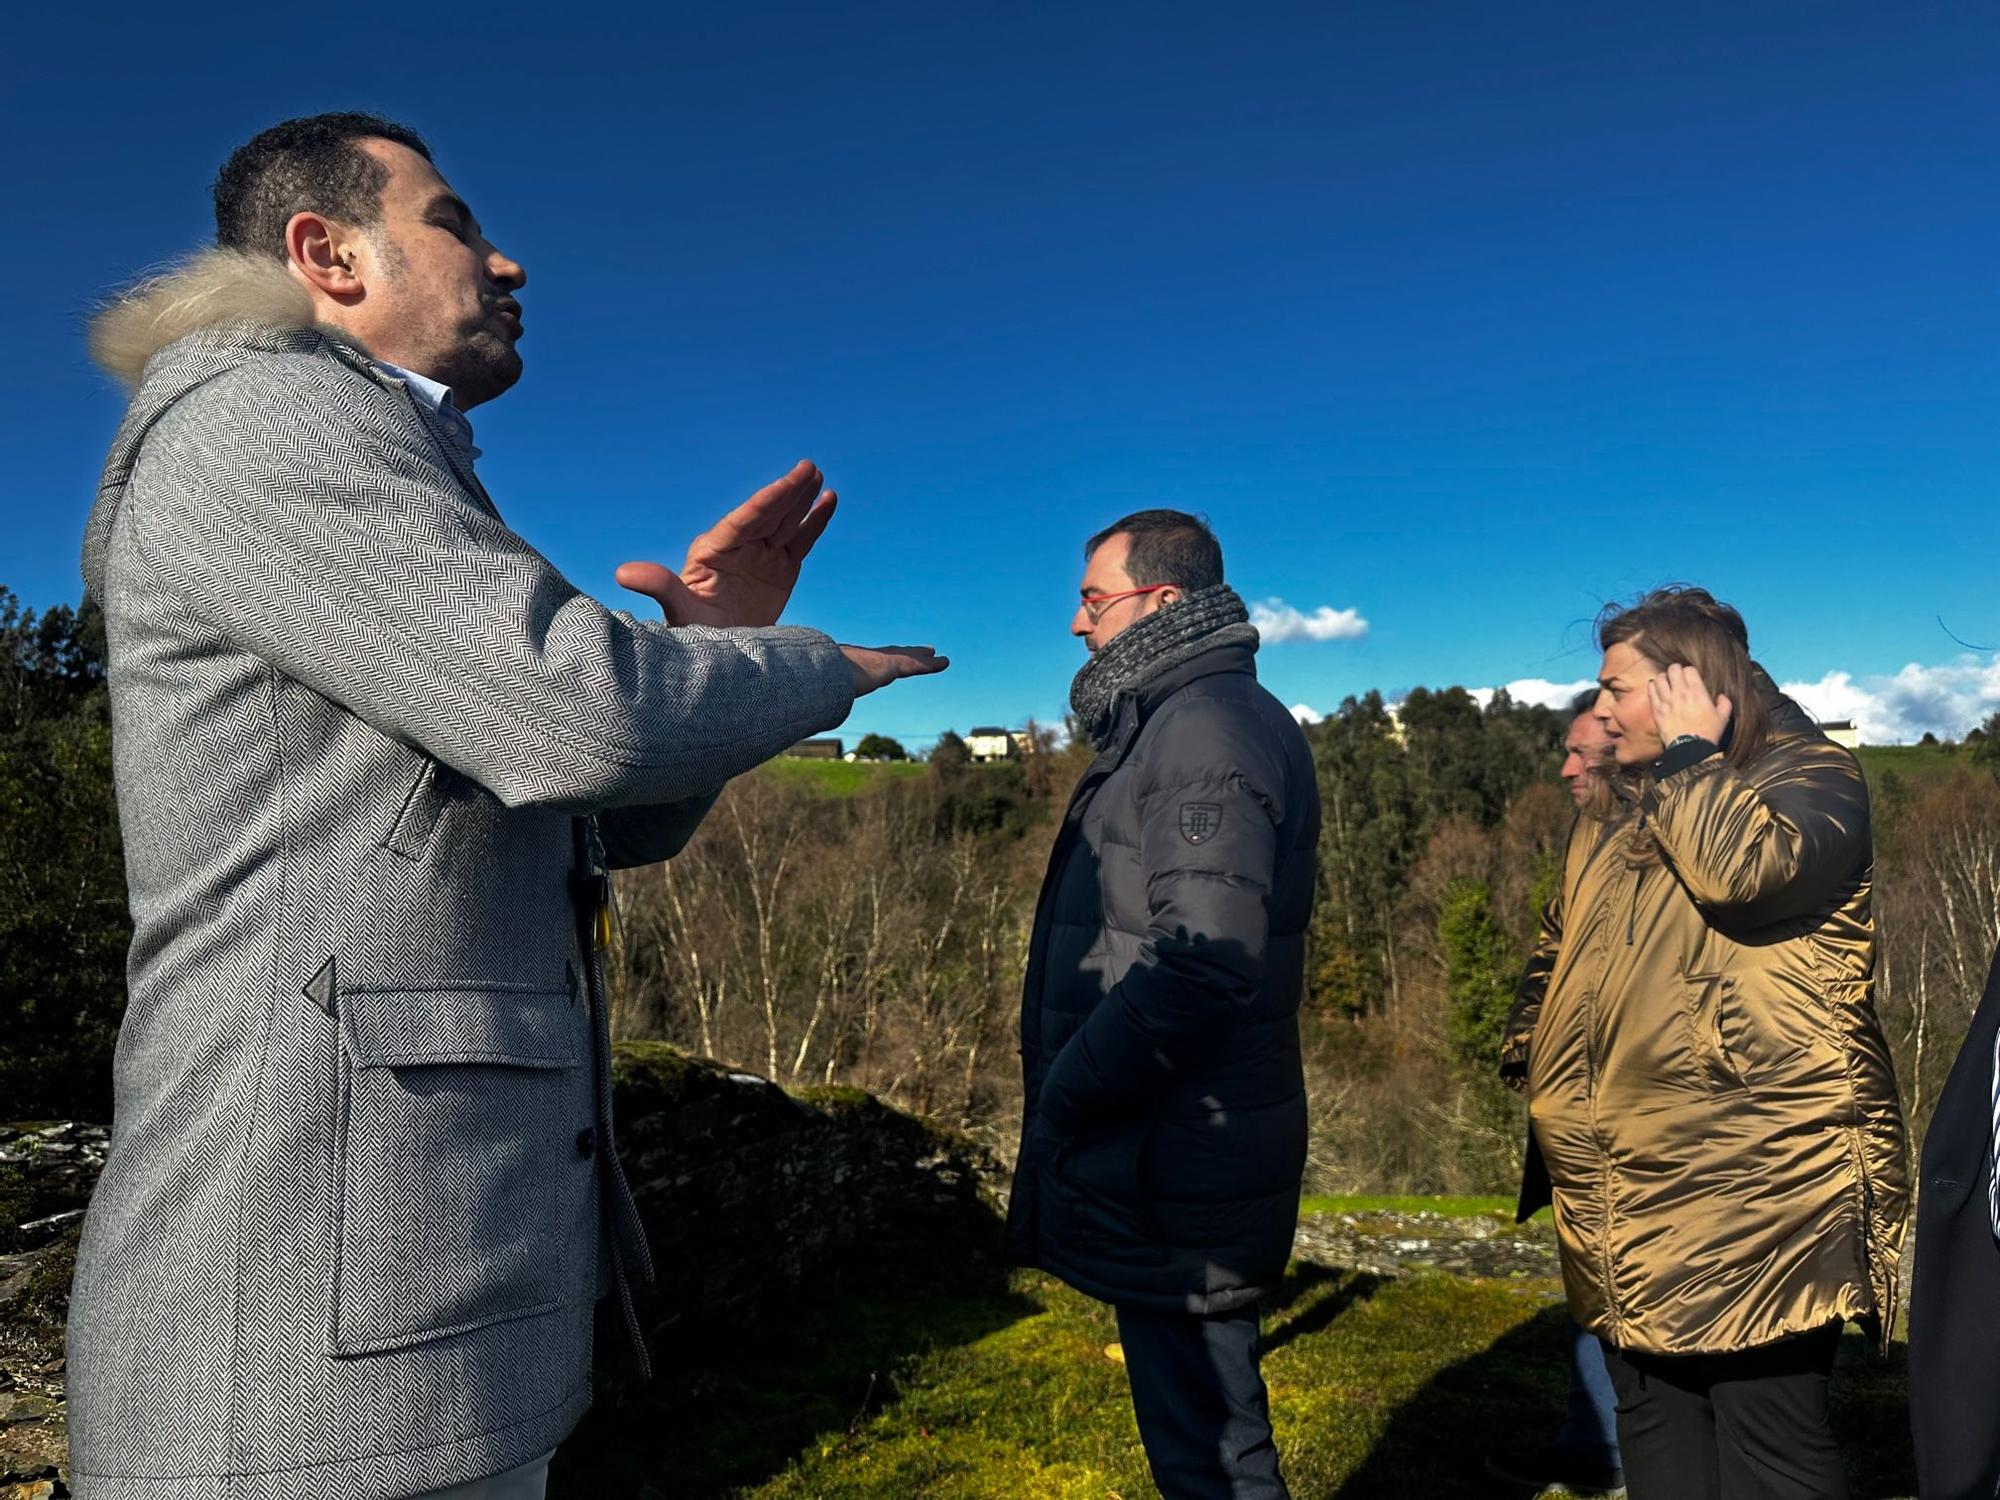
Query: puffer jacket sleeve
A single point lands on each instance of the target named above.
(289, 509)
(1768, 848)
(1210, 802)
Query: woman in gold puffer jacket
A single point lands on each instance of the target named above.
(1706, 1076)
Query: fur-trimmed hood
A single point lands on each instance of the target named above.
(172, 332)
(210, 289)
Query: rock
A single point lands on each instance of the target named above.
(1384, 1244)
(748, 1192)
(37, 1227)
(752, 1191)
(32, 1453)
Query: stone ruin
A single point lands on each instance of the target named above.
(748, 1191)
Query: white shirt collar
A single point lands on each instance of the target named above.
(437, 398)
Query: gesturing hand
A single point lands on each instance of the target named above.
(1681, 705)
(741, 570)
(877, 667)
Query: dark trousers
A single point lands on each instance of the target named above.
(1744, 1426)
(1200, 1401)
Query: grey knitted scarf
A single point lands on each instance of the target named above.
(1198, 622)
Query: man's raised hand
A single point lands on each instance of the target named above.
(741, 570)
(878, 666)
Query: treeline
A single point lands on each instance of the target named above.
(1937, 908)
(873, 938)
(867, 925)
(1388, 784)
(64, 927)
(1444, 824)
(878, 938)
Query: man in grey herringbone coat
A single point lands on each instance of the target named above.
(374, 756)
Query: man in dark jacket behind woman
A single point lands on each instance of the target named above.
(1164, 1133)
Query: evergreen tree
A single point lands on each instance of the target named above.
(1986, 745)
(879, 747)
(64, 928)
(1481, 967)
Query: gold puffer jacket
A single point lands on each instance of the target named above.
(1706, 1076)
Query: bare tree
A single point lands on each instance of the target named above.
(1938, 914)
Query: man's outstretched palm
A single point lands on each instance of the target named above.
(742, 569)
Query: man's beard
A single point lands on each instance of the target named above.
(485, 365)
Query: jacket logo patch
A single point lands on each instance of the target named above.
(1199, 820)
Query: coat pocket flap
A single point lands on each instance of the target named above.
(517, 1028)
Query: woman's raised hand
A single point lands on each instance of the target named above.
(1682, 705)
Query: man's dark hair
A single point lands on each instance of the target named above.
(312, 163)
(1583, 703)
(1168, 546)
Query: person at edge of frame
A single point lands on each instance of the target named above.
(374, 759)
(1955, 1284)
(1708, 1081)
(1583, 1454)
(1164, 1129)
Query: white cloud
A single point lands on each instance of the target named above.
(1278, 621)
(1945, 700)
(1536, 690)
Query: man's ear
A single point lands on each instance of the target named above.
(326, 255)
(1169, 595)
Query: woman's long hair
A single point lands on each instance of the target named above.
(1678, 625)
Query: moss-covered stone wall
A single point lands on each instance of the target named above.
(748, 1194)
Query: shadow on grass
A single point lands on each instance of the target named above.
(1301, 1284)
(730, 1407)
(1512, 1393)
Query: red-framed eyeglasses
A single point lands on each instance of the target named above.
(1093, 604)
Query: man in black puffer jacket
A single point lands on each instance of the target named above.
(1164, 1132)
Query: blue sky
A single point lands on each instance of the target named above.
(1464, 317)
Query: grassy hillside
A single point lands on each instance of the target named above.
(1911, 762)
(840, 778)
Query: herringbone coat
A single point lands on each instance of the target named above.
(367, 740)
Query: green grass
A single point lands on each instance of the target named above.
(928, 1375)
(1040, 1408)
(840, 778)
(1911, 762)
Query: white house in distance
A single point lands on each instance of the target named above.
(826, 748)
(1842, 732)
(989, 744)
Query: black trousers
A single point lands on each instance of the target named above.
(1200, 1401)
(1744, 1426)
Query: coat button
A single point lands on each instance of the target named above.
(586, 1142)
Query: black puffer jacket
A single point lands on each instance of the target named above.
(1165, 1129)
